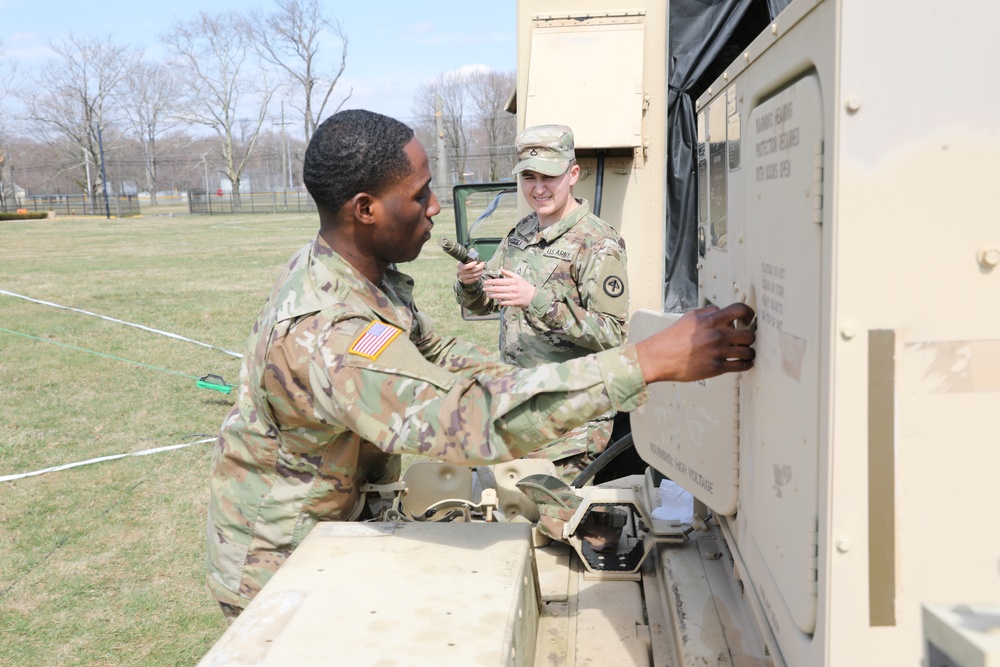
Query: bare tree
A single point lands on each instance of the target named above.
(8, 68)
(450, 87)
(149, 100)
(70, 101)
(213, 51)
(476, 128)
(489, 92)
(8, 196)
(291, 38)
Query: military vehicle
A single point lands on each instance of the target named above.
(832, 164)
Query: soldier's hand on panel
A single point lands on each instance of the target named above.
(703, 343)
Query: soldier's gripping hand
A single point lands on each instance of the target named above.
(470, 272)
(510, 289)
(703, 343)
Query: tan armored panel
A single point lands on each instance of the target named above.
(570, 63)
(409, 594)
(779, 416)
(688, 431)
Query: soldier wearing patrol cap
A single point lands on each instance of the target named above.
(545, 149)
(563, 293)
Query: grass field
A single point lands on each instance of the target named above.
(103, 564)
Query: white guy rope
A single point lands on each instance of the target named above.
(10, 478)
(131, 324)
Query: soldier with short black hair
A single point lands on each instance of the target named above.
(342, 373)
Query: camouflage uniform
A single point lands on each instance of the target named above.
(340, 376)
(578, 268)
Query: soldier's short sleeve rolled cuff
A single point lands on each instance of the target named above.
(623, 378)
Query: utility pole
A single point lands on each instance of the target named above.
(90, 187)
(286, 153)
(286, 175)
(442, 163)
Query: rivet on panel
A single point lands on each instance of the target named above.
(852, 104)
(847, 332)
(844, 545)
(774, 28)
(988, 257)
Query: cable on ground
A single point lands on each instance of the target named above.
(112, 457)
(130, 324)
(210, 381)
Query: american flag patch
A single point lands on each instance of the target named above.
(374, 339)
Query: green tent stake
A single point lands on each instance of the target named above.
(210, 381)
(215, 383)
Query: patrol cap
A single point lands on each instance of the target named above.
(547, 149)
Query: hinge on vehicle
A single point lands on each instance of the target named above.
(813, 570)
(817, 186)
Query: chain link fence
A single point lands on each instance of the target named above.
(219, 202)
(119, 206)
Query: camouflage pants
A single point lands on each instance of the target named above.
(230, 612)
(573, 452)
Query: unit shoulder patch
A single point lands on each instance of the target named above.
(610, 288)
(614, 286)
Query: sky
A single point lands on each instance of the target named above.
(394, 45)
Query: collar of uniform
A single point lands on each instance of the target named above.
(552, 232)
(328, 279)
(530, 230)
(400, 288)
